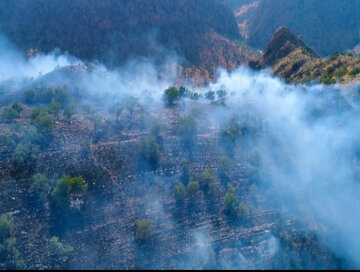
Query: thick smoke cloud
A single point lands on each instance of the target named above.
(308, 152)
(307, 140)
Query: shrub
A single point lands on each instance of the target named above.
(6, 227)
(355, 71)
(7, 142)
(206, 178)
(184, 170)
(13, 112)
(243, 210)
(66, 188)
(21, 155)
(29, 97)
(210, 95)
(224, 169)
(150, 150)
(54, 108)
(59, 249)
(116, 110)
(40, 186)
(330, 70)
(192, 188)
(230, 201)
(171, 95)
(179, 191)
(334, 56)
(341, 72)
(327, 80)
(144, 229)
(10, 255)
(156, 129)
(230, 132)
(46, 96)
(44, 122)
(187, 129)
(68, 113)
(61, 96)
(214, 188)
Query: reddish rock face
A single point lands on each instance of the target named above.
(282, 44)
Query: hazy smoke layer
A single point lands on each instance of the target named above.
(307, 141)
(308, 151)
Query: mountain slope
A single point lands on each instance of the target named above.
(325, 25)
(290, 58)
(115, 31)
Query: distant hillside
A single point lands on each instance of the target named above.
(203, 32)
(325, 25)
(290, 58)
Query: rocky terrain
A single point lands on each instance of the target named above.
(290, 58)
(132, 156)
(326, 26)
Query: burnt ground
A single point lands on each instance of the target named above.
(122, 190)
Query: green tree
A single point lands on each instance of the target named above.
(6, 228)
(179, 191)
(7, 142)
(21, 155)
(224, 169)
(40, 186)
(10, 255)
(171, 95)
(144, 229)
(192, 188)
(61, 96)
(66, 187)
(231, 201)
(13, 112)
(214, 188)
(44, 123)
(150, 151)
(29, 96)
(210, 95)
(187, 129)
(54, 108)
(185, 170)
(206, 178)
(355, 71)
(68, 113)
(59, 249)
(17, 107)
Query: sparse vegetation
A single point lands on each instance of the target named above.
(355, 71)
(59, 249)
(150, 151)
(187, 129)
(9, 254)
(13, 112)
(144, 229)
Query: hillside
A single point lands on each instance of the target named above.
(115, 31)
(325, 25)
(290, 58)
